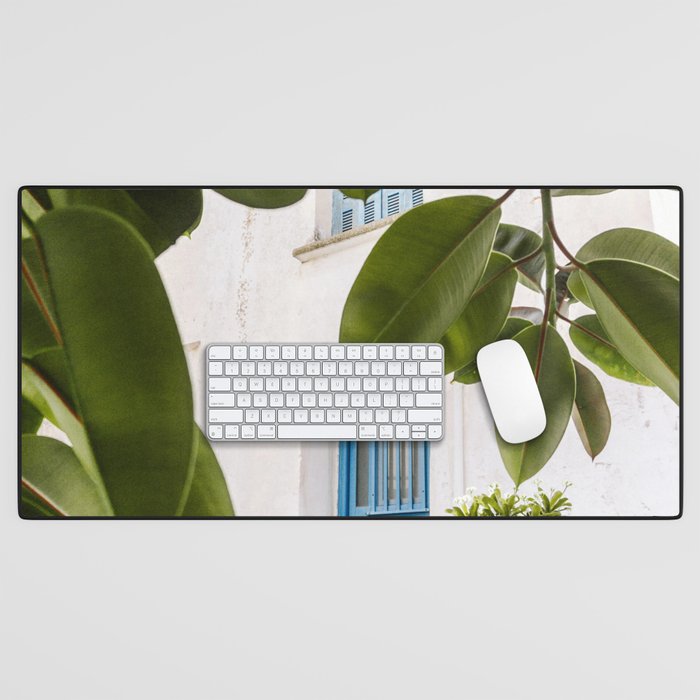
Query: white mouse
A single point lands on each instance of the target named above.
(511, 390)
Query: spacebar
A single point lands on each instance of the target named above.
(317, 432)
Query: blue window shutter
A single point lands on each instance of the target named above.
(373, 208)
(347, 213)
(384, 478)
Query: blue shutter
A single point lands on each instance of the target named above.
(384, 478)
(373, 208)
(347, 213)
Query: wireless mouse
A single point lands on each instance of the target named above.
(511, 391)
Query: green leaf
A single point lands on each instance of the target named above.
(470, 374)
(422, 271)
(517, 242)
(160, 215)
(591, 414)
(208, 494)
(30, 418)
(599, 349)
(55, 477)
(124, 356)
(581, 191)
(557, 385)
(364, 195)
(262, 197)
(639, 308)
(631, 244)
(484, 315)
(37, 314)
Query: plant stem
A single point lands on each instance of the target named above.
(585, 330)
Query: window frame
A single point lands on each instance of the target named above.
(354, 210)
(378, 456)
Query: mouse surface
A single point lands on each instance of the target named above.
(511, 391)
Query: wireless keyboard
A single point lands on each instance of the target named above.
(324, 392)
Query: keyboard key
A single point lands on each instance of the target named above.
(219, 352)
(301, 416)
(418, 384)
(248, 368)
(369, 384)
(333, 415)
(318, 416)
(240, 352)
(266, 431)
(337, 384)
(243, 400)
(410, 368)
(304, 352)
(353, 384)
(222, 400)
(276, 400)
(264, 369)
(305, 384)
(357, 400)
(289, 352)
(284, 416)
(424, 416)
(321, 352)
(272, 352)
(381, 415)
(418, 352)
(353, 352)
(365, 415)
(368, 432)
(325, 400)
(256, 352)
(402, 432)
(259, 400)
(362, 369)
(272, 384)
(308, 400)
(391, 400)
(240, 384)
(220, 384)
(342, 400)
(428, 400)
(435, 352)
(398, 416)
(232, 368)
(344, 368)
(435, 384)
(374, 400)
(256, 384)
(329, 368)
(321, 384)
(349, 415)
(216, 368)
(386, 352)
(225, 415)
(248, 432)
(268, 415)
(313, 369)
(434, 368)
(386, 384)
(289, 384)
(293, 400)
(406, 400)
(378, 368)
(280, 368)
(434, 432)
(402, 384)
(386, 432)
(231, 432)
(317, 432)
(296, 368)
(337, 352)
(369, 352)
(216, 432)
(252, 415)
(393, 368)
(403, 352)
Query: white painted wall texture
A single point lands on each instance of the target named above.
(236, 279)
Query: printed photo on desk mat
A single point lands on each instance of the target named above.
(132, 300)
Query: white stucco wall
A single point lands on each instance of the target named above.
(237, 280)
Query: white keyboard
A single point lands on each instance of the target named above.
(324, 392)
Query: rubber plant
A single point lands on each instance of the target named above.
(447, 271)
(102, 358)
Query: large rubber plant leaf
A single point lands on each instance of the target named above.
(593, 343)
(124, 356)
(160, 215)
(591, 413)
(557, 385)
(209, 494)
(639, 308)
(470, 373)
(55, 476)
(421, 273)
(631, 244)
(364, 195)
(517, 242)
(30, 417)
(262, 197)
(484, 315)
